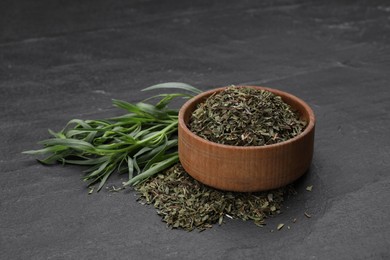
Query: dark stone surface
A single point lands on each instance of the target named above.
(67, 59)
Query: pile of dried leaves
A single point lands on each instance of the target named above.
(243, 116)
(185, 203)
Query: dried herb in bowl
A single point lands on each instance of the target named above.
(244, 116)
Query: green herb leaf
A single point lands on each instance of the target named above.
(70, 143)
(130, 166)
(174, 85)
(156, 168)
(167, 98)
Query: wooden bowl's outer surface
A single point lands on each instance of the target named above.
(249, 168)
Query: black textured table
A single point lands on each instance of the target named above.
(67, 59)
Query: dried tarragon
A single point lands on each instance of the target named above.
(185, 203)
(243, 116)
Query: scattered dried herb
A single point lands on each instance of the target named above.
(243, 116)
(185, 203)
(280, 226)
(309, 188)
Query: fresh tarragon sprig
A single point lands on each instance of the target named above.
(140, 143)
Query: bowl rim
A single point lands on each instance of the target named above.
(309, 128)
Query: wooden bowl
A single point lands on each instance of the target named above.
(246, 168)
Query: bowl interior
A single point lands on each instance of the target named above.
(296, 103)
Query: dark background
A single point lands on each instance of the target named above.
(67, 59)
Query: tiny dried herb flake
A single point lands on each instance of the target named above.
(309, 188)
